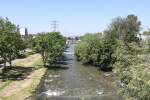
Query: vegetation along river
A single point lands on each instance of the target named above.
(71, 80)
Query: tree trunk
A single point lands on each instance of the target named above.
(44, 58)
(10, 61)
(5, 65)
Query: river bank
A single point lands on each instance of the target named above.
(70, 80)
(66, 81)
(21, 81)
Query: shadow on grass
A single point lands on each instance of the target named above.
(16, 73)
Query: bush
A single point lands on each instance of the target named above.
(1, 61)
(21, 55)
(96, 50)
(51, 46)
(133, 71)
(121, 48)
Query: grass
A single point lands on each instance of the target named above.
(4, 84)
(27, 92)
(16, 73)
(22, 80)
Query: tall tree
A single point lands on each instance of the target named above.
(42, 46)
(51, 46)
(10, 40)
(125, 28)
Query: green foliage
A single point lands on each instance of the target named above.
(96, 50)
(120, 47)
(148, 44)
(133, 70)
(10, 40)
(29, 41)
(125, 28)
(130, 65)
(86, 50)
(51, 46)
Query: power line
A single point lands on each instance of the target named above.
(55, 25)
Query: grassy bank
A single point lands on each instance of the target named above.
(21, 81)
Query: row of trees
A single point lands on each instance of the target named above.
(10, 41)
(120, 48)
(50, 45)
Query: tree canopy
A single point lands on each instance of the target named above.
(120, 48)
(51, 46)
(125, 28)
(10, 40)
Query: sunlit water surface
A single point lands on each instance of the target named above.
(71, 80)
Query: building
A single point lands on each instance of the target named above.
(145, 37)
(24, 33)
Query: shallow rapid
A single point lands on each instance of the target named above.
(70, 80)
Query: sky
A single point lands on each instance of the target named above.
(75, 17)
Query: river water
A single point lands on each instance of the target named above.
(70, 80)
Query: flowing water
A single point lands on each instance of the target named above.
(70, 80)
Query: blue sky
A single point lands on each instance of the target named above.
(76, 17)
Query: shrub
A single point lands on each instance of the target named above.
(95, 49)
(133, 71)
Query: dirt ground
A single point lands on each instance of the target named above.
(21, 89)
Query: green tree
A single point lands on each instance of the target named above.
(57, 46)
(132, 69)
(51, 46)
(42, 46)
(97, 50)
(86, 50)
(125, 28)
(10, 40)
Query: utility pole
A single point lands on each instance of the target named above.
(54, 25)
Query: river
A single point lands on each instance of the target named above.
(71, 80)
